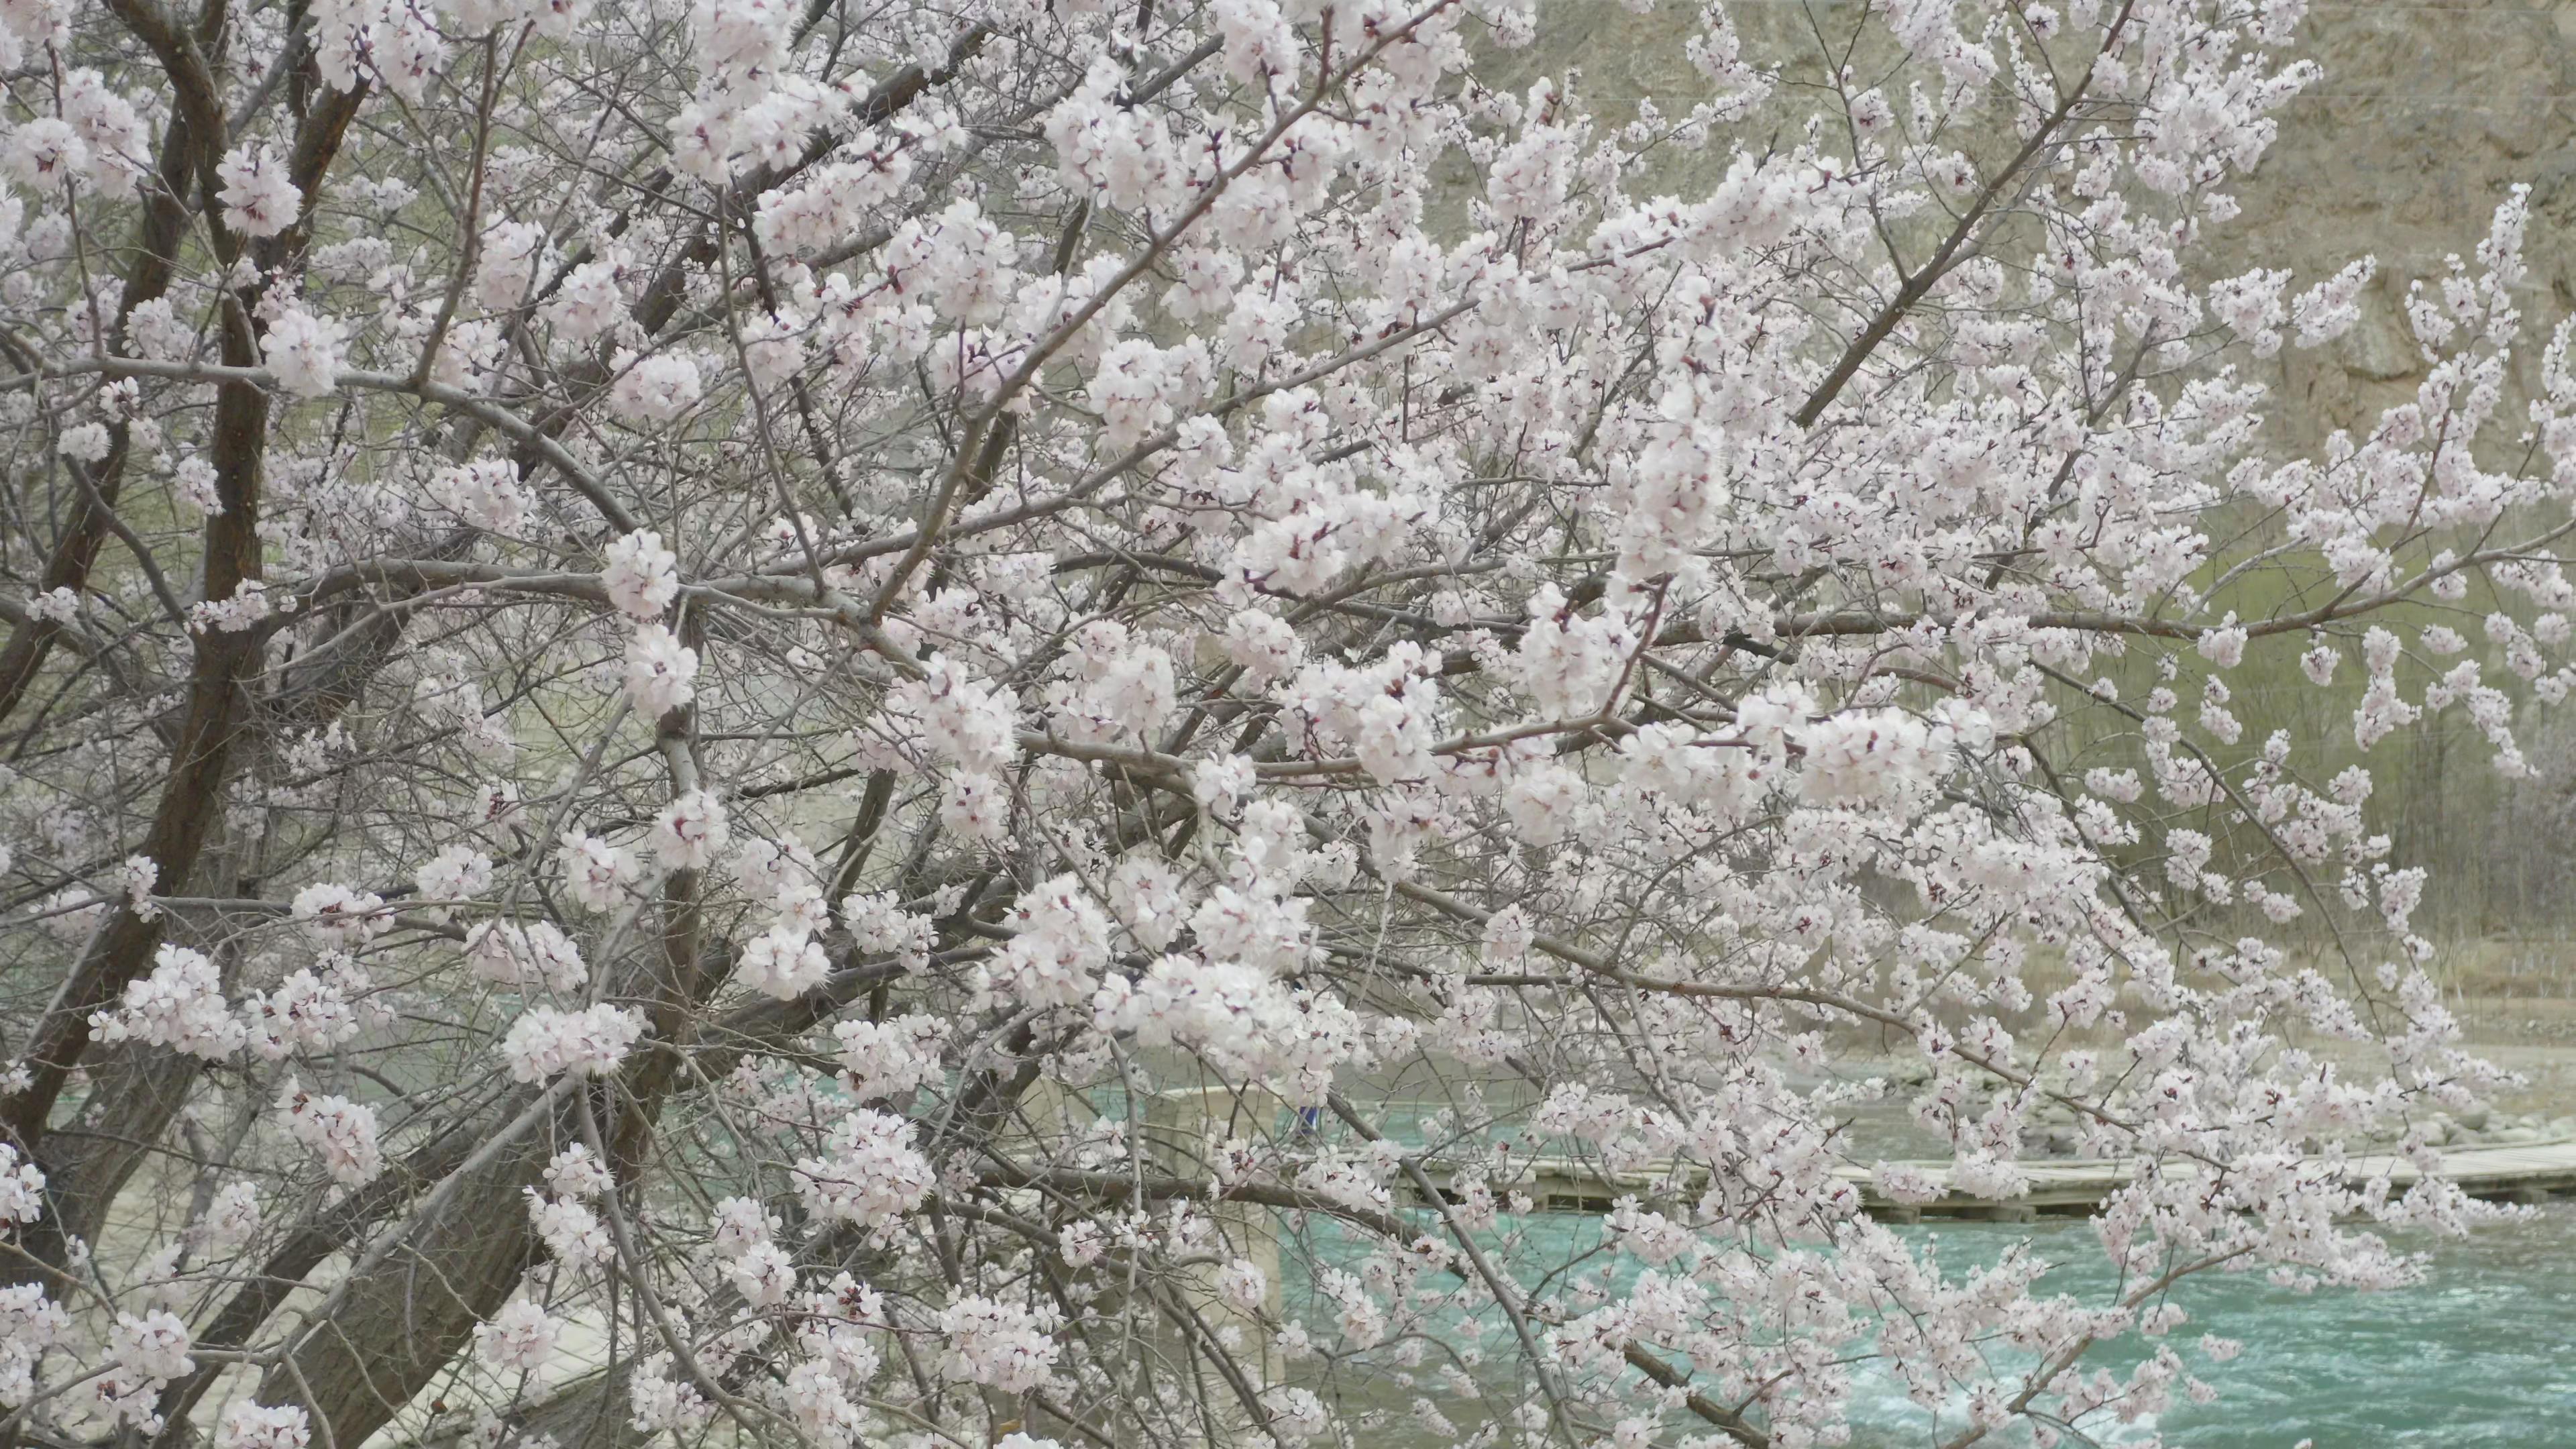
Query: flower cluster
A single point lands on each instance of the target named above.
(180, 1005)
(545, 1043)
(870, 1174)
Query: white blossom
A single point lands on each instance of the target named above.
(889, 1058)
(690, 832)
(531, 957)
(659, 671)
(303, 352)
(641, 576)
(22, 1188)
(519, 1339)
(596, 873)
(259, 198)
(1273, 597)
(180, 1005)
(340, 1132)
(869, 1173)
(545, 1043)
(246, 1425)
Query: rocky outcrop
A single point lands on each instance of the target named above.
(2427, 116)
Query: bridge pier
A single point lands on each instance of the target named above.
(1186, 1129)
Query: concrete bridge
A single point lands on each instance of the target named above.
(2059, 1187)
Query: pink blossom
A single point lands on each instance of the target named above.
(258, 197)
(246, 1425)
(303, 352)
(520, 1338)
(641, 576)
(869, 1174)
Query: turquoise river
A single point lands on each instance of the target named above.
(2481, 1355)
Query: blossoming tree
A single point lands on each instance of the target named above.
(670, 667)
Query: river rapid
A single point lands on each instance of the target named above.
(2481, 1355)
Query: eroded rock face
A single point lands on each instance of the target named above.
(2427, 116)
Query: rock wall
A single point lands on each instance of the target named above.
(2427, 116)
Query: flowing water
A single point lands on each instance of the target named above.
(2482, 1355)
